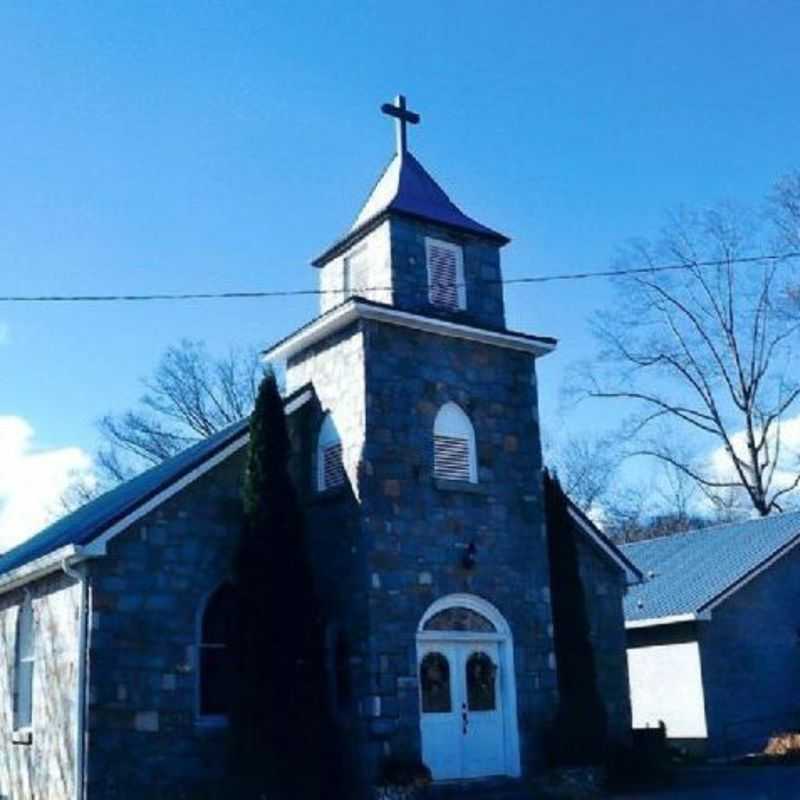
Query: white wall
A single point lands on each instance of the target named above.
(45, 768)
(378, 252)
(666, 684)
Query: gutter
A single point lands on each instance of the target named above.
(83, 657)
(673, 619)
(39, 567)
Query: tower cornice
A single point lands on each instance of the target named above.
(357, 308)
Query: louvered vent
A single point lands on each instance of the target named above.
(443, 274)
(451, 458)
(356, 275)
(332, 466)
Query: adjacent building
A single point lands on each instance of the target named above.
(714, 634)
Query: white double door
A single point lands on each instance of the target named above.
(461, 707)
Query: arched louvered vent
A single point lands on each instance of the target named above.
(330, 464)
(454, 446)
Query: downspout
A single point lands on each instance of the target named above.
(80, 738)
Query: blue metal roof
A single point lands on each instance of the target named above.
(685, 573)
(89, 521)
(407, 188)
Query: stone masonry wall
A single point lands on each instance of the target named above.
(44, 768)
(335, 370)
(397, 273)
(147, 597)
(604, 586)
(375, 284)
(416, 530)
(484, 292)
(750, 661)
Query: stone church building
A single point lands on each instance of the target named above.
(412, 411)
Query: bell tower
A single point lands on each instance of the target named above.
(422, 474)
(412, 248)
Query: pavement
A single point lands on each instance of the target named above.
(728, 783)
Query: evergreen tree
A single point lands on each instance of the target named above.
(580, 726)
(278, 715)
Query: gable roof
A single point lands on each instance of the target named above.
(688, 574)
(86, 523)
(407, 188)
(113, 511)
(605, 544)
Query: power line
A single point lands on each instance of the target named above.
(566, 276)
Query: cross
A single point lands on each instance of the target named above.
(402, 117)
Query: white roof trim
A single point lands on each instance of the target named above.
(705, 610)
(97, 547)
(672, 619)
(300, 400)
(611, 552)
(742, 582)
(39, 567)
(350, 311)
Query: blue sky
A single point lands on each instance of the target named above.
(149, 147)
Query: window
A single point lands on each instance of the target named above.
(434, 681)
(23, 667)
(457, 618)
(481, 675)
(445, 275)
(330, 466)
(355, 274)
(454, 446)
(214, 650)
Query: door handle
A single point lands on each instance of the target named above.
(464, 718)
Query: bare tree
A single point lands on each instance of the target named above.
(586, 466)
(189, 396)
(784, 212)
(702, 351)
(784, 209)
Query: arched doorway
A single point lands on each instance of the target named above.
(468, 703)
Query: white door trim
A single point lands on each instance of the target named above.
(505, 643)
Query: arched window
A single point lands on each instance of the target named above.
(330, 467)
(434, 681)
(454, 446)
(23, 667)
(214, 653)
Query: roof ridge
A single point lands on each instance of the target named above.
(374, 186)
(711, 528)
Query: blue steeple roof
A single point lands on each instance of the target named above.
(407, 188)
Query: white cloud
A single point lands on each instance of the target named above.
(32, 482)
(788, 464)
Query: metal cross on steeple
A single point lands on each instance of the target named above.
(402, 117)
